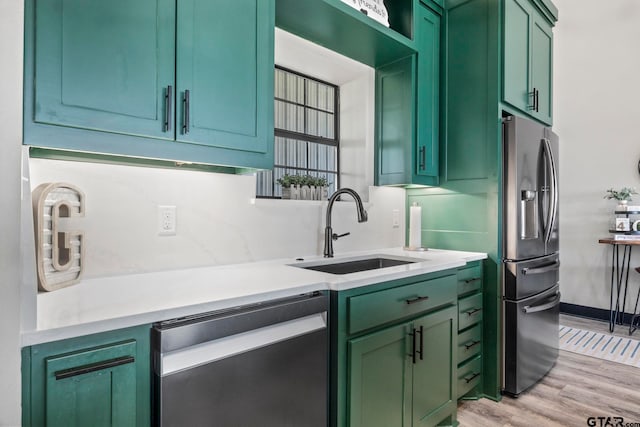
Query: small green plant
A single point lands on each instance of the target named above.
(621, 195)
(288, 180)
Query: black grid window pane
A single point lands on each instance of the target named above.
(306, 137)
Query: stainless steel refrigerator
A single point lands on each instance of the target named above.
(530, 264)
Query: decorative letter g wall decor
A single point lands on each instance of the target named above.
(59, 249)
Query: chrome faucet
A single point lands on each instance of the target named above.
(329, 235)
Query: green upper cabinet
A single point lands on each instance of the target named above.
(428, 113)
(408, 110)
(100, 380)
(104, 65)
(134, 79)
(227, 78)
(528, 56)
(395, 122)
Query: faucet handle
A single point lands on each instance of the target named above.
(335, 236)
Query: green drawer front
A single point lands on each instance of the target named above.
(469, 280)
(469, 311)
(366, 311)
(469, 376)
(469, 343)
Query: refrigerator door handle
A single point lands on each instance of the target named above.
(542, 307)
(543, 269)
(553, 202)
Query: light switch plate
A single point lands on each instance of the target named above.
(396, 218)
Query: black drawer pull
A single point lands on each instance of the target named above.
(475, 279)
(472, 377)
(92, 367)
(416, 299)
(470, 345)
(473, 311)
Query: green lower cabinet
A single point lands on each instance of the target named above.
(389, 388)
(380, 378)
(469, 352)
(434, 371)
(99, 380)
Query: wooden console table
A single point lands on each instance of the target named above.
(620, 281)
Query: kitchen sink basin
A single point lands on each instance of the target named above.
(354, 266)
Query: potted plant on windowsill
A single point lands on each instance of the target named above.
(623, 196)
(303, 187)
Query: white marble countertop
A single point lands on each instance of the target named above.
(102, 304)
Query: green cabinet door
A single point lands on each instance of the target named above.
(517, 31)
(528, 54)
(389, 388)
(94, 380)
(103, 65)
(395, 122)
(434, 397)
(225, 73)
(95, 388)
(542, 67)
(380, 378)
(428, 106)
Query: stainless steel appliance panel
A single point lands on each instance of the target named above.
(531, 339)
(530, 190)
(263, 365)
(281, 385)
(523, 279)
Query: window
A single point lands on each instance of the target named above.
(306, 131)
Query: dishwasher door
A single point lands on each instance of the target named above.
(264, 365)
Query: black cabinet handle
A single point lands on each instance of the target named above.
(185, 112)
(421, 341)
(473, 311)
(475, 279)
(537, 99)
(415, 300)
(422, 163)
(85, 369)
(472, 377)
(532, 106)
(413, 346)
(168, 102)
(467, 346)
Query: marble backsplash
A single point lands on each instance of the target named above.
(219, 221)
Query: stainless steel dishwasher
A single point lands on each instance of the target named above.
(260, 365)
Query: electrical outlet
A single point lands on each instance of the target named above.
(166, 220)
(396, 218)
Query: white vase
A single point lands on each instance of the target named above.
(622, 205)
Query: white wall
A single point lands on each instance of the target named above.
(596, 115)
(357, 97)
(11, 33)
(218, 221)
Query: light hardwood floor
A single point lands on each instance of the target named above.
(578, 387)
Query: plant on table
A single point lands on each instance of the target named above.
(622, 195)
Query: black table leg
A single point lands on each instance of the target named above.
(619, 280)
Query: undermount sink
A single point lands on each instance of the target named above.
(354, 266)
